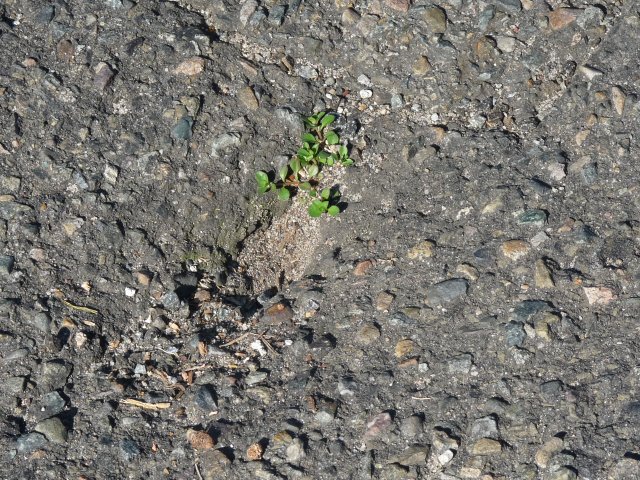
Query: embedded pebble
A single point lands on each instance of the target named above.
(411, 426)
(367, 334)
(384, 301)
(422, 250)
(547, 450)
(515, 249)
(53, 429)
(415, 455)
(190, 67)
(248, 98)
(447, 291)
(599, 295)
(295, 451)
(542, 275)
(486, 446)
(461, 364)
(377, 425)
(30, 441)
(200, 440)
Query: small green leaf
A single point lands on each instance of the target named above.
(327, 120)
(295, 165)
(309, 138)
(343, 151)
(262, 178)
(313, 194)
(284, 194)
(304, 153)
(306, 186)
(333, 210)
(312, 120)
(325, 193)
(264, 189)
(316, 209)
(284, 172)
(272, 186)
(348, 162)
(313, 170)
(332, 138)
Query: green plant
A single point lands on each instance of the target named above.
(320, 149)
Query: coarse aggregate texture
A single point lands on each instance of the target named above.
(471, 314)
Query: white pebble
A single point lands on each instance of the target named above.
(366, 93)
(364, 80)
(130, 292)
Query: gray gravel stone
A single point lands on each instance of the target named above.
(526, 309)
(49, 405)
(182, 129)
(411, 427)
(205, 398)
(533, 217)
(512, 6)
(276, 15)
(515, 334)
(42, 321)
(54, 375)
(129, 449)
(485, 427)
(6, 264)
(447, 291)
(224, 142)
(15, 385)
(53, 429)
(296, 451)
(460, 364)
(29, 442)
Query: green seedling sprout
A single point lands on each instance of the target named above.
(320, 149)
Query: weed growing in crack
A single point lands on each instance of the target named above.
(320, 150)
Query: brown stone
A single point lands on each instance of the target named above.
(436, 19)
(486, 446)
(362, 267)
(422, 66)
(546, 451)
(368, 334)
(515, 249)
(405, 348)
(618, 98)
(542, 275)
(254, 452)
(384, 301)
(200, 440)
(421, 251)
(190, 67)
(248, 98)
(65, 50)
(561, 17)
(399, 5)
(599, 295)
(277, 314)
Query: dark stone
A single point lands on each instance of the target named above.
(205, 398)
(129, 449)
(447, 291)
(29, 442)
(527, 309)
(183, 129)
(515, 334)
